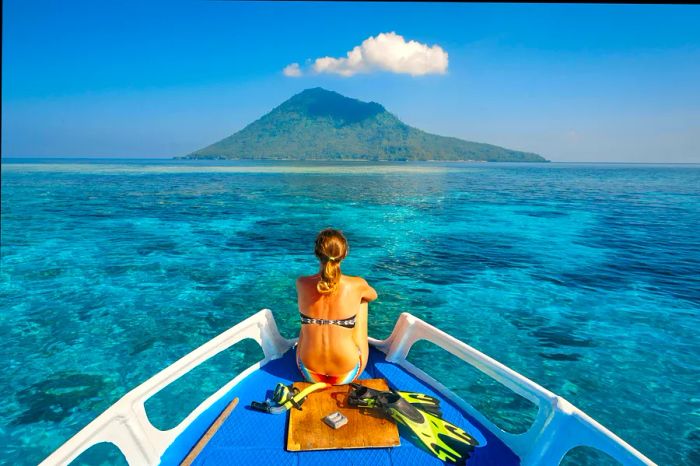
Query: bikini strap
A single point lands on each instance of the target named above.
(348, 323)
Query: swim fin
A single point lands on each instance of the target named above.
(442, 438)
(365, 397)
(423, 402)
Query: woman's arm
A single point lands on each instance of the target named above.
(298, 287)
(359, 334)
(369, 294)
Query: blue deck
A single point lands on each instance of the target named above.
(252, 437)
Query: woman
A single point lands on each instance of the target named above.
(332, 344)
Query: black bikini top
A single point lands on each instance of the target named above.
(347, 323)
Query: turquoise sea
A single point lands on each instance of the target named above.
(583, 277)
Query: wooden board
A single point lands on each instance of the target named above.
(307, 431)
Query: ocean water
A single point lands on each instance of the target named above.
(583, 277)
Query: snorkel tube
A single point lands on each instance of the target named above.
(285, 397)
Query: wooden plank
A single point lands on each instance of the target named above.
(209, 433)
(307, 431)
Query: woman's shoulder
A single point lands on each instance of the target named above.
(355, 281)
(351, 280)
(307, 278)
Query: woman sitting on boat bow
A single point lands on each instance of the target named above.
(333, 345)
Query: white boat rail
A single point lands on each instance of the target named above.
(126, 425)
(558, 427)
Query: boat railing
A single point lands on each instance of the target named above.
(126, 425)
(558, 427)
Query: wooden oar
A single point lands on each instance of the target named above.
(209, 433)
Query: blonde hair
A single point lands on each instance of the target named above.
(331, 248)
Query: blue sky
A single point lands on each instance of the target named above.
(161, 79)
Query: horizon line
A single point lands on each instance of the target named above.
(333, 160)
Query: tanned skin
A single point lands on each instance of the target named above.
(332, 349)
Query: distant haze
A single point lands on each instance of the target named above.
(609, 83)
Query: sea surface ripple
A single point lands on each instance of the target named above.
(583, 277)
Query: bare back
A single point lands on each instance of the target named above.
(330, 348)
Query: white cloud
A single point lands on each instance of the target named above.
(386, 52)
(292, 70)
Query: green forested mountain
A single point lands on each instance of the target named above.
(317, 124)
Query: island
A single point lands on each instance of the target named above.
(318, 124)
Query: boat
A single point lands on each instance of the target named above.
(557, 428)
